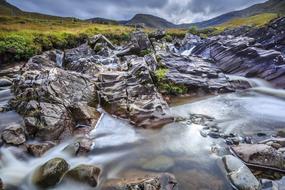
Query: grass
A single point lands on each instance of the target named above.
(23, 37)
(254, 21)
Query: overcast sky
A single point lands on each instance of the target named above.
(177, 11)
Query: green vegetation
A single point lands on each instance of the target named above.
(167, 87)
(254, 21)
(21, 37)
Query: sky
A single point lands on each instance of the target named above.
(176, 11)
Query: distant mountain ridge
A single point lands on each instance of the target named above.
(270, 6)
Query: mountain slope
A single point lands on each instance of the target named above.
(150, 21)
(271, 6)
(7, 9)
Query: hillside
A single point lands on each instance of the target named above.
(271, 6)
(150, 21)
(6, 9)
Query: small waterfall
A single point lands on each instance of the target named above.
(59, 58)
(254, 82)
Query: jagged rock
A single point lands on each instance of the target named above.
(240, 56)
(5, 82)
(239, 31)
(260, 154)
(271, 36)
(158, 182)
(239, 174)
(100, 39)
(139, 43)
(45, 96)
(84, 174)
(14, 135)
(85, 60)
(132, 94)
(158, 34)
(39, 149)
(50, 173)
(198, 74)
(82, 146)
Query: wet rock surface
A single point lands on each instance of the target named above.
(50, 173)
(260, 154)
(198, 74)
(245, 57)
(88, 174)
(14, 135)
(158, 182)
(240, 175)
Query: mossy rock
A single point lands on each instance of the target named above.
(84, 174)
(50, 173)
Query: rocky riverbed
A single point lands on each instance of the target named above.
(104, 116)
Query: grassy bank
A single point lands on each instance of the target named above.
(23, 37)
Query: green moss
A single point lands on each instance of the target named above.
(167, 87)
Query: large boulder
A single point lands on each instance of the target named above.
(140, 45)
(239, 174)
(84, 174)
(14, 135)
(163, 181)
(132, 94)
(50, 173)
(260, 154)
(49, 97)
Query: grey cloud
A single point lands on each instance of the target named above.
(178, 11)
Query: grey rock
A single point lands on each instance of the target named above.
(239, 174)
(150, 182)
(50, 173)
(260, 154)
(14, 135)
(5, 82)
(38, 149)
(84, 174)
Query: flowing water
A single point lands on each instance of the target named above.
(121, 150)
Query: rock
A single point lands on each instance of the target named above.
(160, 163)
(158, 34)
(39, 149)
(239, 174)
(50, 173)
(5, 82)
(14, 135)
(81, 147)
(100, 39)
(198, 75)
(260, 154)
(46, 96)
(153, 182)
(84, 174)
(269, 185)
(1, 184)
(241, 56)
(270, 36)
(140, 44)
(132, 94)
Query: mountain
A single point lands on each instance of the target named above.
(6, 9)
(150, 21)
(100, 20)
(271, 6)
